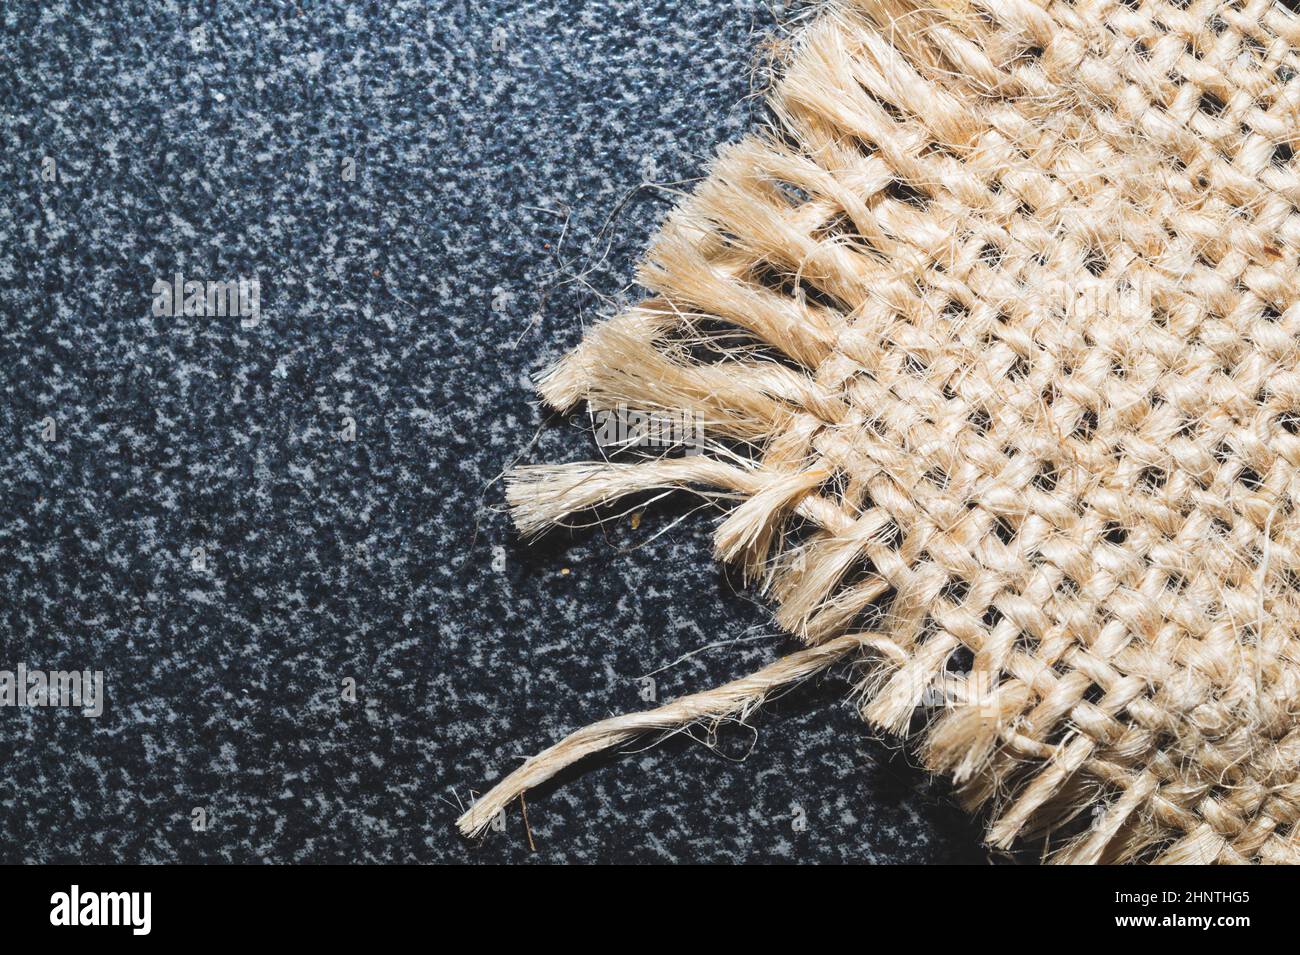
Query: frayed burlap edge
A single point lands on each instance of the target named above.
(1169, 764)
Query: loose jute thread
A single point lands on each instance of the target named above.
(994, 337)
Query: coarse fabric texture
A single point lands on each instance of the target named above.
(993, 336)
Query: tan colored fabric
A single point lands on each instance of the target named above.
(1005, 307)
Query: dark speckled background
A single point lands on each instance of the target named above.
(499, 147)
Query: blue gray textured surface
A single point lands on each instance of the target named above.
(495, 210)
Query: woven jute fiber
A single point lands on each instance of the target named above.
(993, 335)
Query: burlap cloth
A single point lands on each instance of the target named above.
(993, 335)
